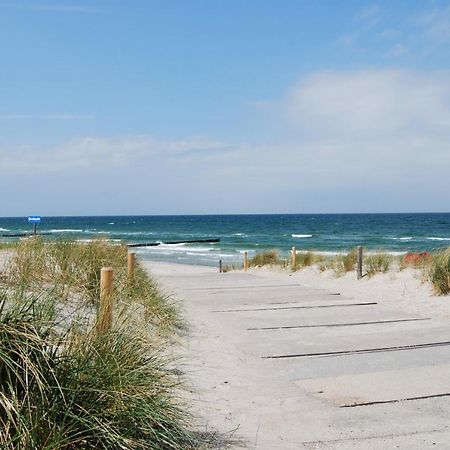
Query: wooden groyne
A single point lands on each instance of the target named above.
(194, 241)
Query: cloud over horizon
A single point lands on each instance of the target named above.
(345, 131)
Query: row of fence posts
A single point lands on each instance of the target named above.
(105, 308)
(359, 261)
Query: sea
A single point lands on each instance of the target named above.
(325, 233)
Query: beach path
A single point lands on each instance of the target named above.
(290, 366)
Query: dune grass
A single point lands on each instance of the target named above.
(304, 260)
(63, 386)
(377, 263)
(340, 264)
(266, 258)
(439, 272)
(435, 266)
(72, 269)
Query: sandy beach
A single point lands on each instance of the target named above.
(309, 360)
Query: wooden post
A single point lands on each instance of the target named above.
(220, 266)
(293, 258)
(245, 261)
(359, 263)
(105, 309)
(131, 264)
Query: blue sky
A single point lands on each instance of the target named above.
(175, 107)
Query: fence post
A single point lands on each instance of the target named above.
(245, 261)
(105, 309)
(220, 266)
(293, 258)
(359, 263)
(131, 264)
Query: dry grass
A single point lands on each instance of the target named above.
(62, 386)
(266, 258)
(439, 272)
(377, 263)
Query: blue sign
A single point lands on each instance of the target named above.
(34, 219)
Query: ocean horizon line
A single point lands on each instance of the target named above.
(229, 214)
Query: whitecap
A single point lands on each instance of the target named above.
(301, 236)
(96, 232)
(162, 245)
(4, 229)
(438, 238)
(65, 230)
(405, 238)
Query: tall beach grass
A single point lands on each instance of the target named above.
(439, 272)
(63, 386)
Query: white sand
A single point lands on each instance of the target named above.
(294, 403)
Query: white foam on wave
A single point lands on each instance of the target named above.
(4, 229)
(404, 238)
(177, 248)
(162, 245)
(239, 234)
(438, 238)
(129, 233)
(110, 223)
(301, 236)
(66, 230)
(96, 232)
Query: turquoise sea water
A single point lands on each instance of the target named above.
(334, 233)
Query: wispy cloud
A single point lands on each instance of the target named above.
(61, 7)
(368, 13)
(435, 25)
(397, 50)
(413, 35)
(367, 133)
(95, 153)
(45, 117)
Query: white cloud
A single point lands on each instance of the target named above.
(371, 101)
(100, 154)
(376, 134)
(366, 131)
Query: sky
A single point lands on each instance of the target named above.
(233, 106)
